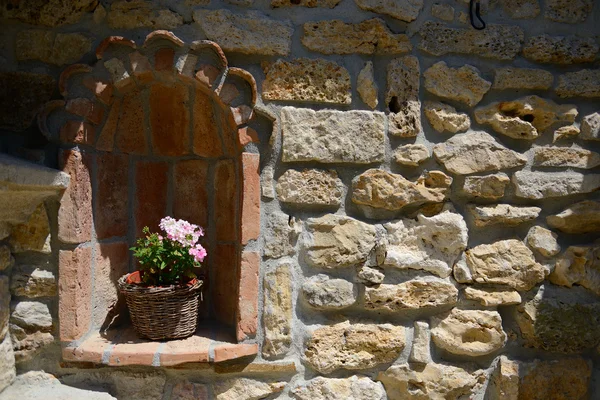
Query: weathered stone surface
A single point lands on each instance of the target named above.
(471, 152)
(332, 136)
(542, 241)
(434, 381)
(490, 296)
(323, 292)
(367, 37)
(266, 182)
(431, 244)
(99, 14)
(582, 217)
(565, 157)
(567, 378)
(277, 313)
(411, 154)
(304, 3)
(486, 187)
(57, 49)
(404, 10)
(443, 117)
(590, 127)
(421, 350)
(468, 332)
(522, 78)
(416, 294)
(525, 118)
(31, 315)
(578, 265)
(353, 346)
(353, 388)
(563, 320)
(565, 132)
(246, 389)
(250, 33)
(500, 42)
(370, 275)
(4, 305)
(507, 262)
(584, 83)
(402, 97)
(366, 86)
(539, 185)
(32, 281)
(281, 235)
(33, 235)
(504, 380)
(335, 241)
(521, 9)
(27, 345)
(442, 11)
(6, 258)
(461, 271)
(568, 11)
(124, 384)
(7, 364)
(462, 84)
(560, 49)
(126, 14)
(49, 13)
(304, 79)
(23, 93)
(310, 187)
(383, 190)
(504, 214)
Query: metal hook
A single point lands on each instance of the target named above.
(477, 14)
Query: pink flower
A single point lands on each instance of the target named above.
(198, 252)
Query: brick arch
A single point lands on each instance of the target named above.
(146, 132)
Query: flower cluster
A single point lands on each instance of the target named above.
(181, 231)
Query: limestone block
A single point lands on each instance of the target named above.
(471, 152)
(332, 136)
(500, 42)
(539, 185)
(491, 297)
(486, 187)
(461, 271)
(31, 315)
(304, 79)
(246, 389)
(277, 312)
(578, 265)
(32, 281)
(6, 258)
(33, 235)
(352, 388)
(582, 217)
(560, 49)
(521, 9)
(369, 275)
(590, 127)
(27, 345)
(543, 241)
(444, 117)
(366, 86)
(411, 154)
(266, 182)
(504, 381)
(310, 187)
(402, 97)
(522, 78)
(323, 292)
(506, 262)
(584, 83)
(432, 244)
(99, 14)
(565, 157)
(568, 11)
(125, 14)
(468, 332)
(353, 346)
(416, 294)
(504, 214)
(304, 3)
(335, 241)
(404, 10)
(48, 13)
(4, 305)
(566, 132)
(567, 378)
(370, 36)
(462, 84)
(249, 33)
(525, 118)
(7, 365)
(421, 351)
(124, 384)
(23, 95)
(442, 11)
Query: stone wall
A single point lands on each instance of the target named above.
(429, 210)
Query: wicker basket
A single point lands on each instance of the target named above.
(162, 312)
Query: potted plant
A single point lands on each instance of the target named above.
(162, 297)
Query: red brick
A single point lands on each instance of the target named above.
(74, 292)
(207, 74)
(163, 59)
(241, 114)
(111, 210)
(192, 349)
(75, 212)
(86, 108)
(229, 131)
(106, 141)
(250, 218)
(225, 200)
(248, 295)
(228, 93)
(189, 391)
(224, 352)
(78, 132)
(112, 262)
(102, 90)
(131, 136)
(190, 201)
(141, 68)
(225, 285)
(151, 182)
(169, 119)
(207, 140)
(132, 350)
(247, 135)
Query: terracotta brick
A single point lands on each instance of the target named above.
(169, 119)
(141, 68)
(102, 90)
(75, 212)
(189, 391)
(207, 141)
(163, 59)
(86, 108)
(132, 350)
(192, 349)
(78, 132)
(91, 350)
(74, 292)
(227, 351)
(131, 136)
(225, 285)
(190, 201)
(248, 295)
(225, 200)
(112, 262)
(151, 180)
(250, 219)
(207, 74)
(229, 132)
(247, 135)
(111, 205)
(228, 93)
(242, 114)
(106, 140)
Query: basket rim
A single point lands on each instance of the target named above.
(125, 287)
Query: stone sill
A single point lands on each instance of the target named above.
(120, 347)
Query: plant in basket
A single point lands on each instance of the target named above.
(162, 297)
